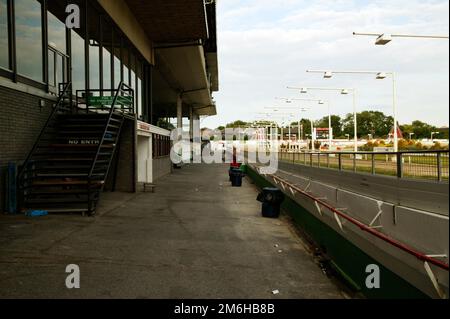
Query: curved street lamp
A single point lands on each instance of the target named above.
(378, 76)
(384, 38)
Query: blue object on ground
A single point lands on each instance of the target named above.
(36, 213)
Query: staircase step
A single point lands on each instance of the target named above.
(113, 126)
(50, 154)
(67, 210)
(80, 132)
(60, 167)
(117, 120)
(80, 127)
(40, 175)
(64, 183)
(59, 170)
(54, 201)
(76, 134)
(62, 160)
(82, 209)
(58, 177)
(59, 192)
(78, 146)
(83, 116)
(77, 119)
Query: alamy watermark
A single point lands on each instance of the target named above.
(246, 146)
(73, 20)
(373, 280)
(73, 279)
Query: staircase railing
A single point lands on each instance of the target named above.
(122, 88)
(66, 88)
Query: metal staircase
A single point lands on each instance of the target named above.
(67, 169)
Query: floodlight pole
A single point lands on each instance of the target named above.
(380, 75)
(354, 108)
(330, 138)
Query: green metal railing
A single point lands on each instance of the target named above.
(425, 165)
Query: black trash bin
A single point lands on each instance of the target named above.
(271, 199)
(231, 170)
(236, 177)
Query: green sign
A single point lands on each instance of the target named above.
(108, 100)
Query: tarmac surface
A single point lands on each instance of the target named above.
(195, 237)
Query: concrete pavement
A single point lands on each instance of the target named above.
(196, 237)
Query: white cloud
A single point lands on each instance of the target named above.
(265, 45)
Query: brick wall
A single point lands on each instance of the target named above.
(21, 121)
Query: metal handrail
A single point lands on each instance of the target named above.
(398, 168)
(62, 95)
(120, 90)
(419, 255)
(124, 88)
(111, 112)
(370, 153)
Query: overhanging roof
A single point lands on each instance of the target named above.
(182, 31)
(184, 68)
(171, 21)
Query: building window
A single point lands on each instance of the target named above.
(94, 49)
(56, 33)
(133, 77)
(57, 59)
(107, 49)
(29, 39)
(161, 146)
(106, 69)
(94, 65)
(78, 68)
(126, 64)
(117, 61)
(139, 89)
(51, 68)
(4, 40)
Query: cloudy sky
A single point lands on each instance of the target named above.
(267, 45)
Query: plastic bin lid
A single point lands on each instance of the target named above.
(271, 189)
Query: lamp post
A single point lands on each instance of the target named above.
(343, 91)
(320, 102)
(384, 38)
(279, 115)
(379, 76)
(433, 134)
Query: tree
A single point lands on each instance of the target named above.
(336, 124)
(162, 123)
(369, 122)
(305, 125)
(237, 124)
(420, 129)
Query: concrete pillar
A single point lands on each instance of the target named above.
(191, 122)
(179, 112)
(197, 138)
(196, 129)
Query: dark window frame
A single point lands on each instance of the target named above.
(144, 94)
(161, 146)
(8, 69)
(20, 78)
